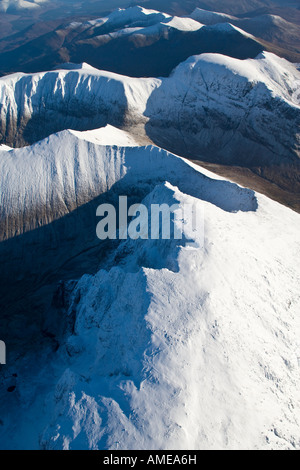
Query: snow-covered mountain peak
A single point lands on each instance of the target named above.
(182, 24)
(277, 75)
(72, 66)
(71, 168)
(210, 17)
(229, 28)
(108, 135)
(138, 20)
(19, 5)
(131, 15)
(151, 341)
(215, 310)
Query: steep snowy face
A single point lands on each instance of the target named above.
(227, 110)
(171, 344)
(35, 106)
(44, 182)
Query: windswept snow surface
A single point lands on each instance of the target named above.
(229, 28)
(187, 344)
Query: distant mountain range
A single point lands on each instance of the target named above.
(144, 42)
(50, 33)
(267, 27)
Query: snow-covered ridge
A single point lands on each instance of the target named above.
(118, 41)
(169, 344)
(210, 17)
(234, 346)
(280, 77)
(133, 14)
(134, 20)
(53, 177)
(71, 66)
(5, 147)
(79, 98)
(229, 28)
(19, 5)
(191, 343)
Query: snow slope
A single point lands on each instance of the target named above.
(19, 5)
(267, 27)
(107, 135)
(171, 345)
(80, 98)
(140, 18)
(211, 17)
(5, 147)
(54, 177)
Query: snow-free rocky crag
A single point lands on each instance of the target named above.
(188, 344)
